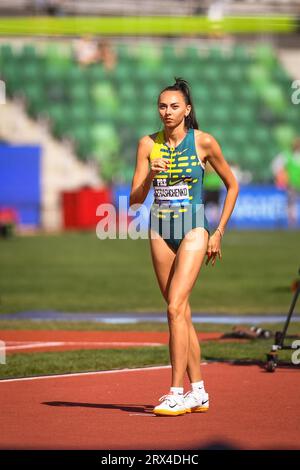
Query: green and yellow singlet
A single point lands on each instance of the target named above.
(178, 200)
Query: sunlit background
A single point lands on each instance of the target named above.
(82, 80)
(79, 87)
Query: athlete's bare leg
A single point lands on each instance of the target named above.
(189, 259)
(184, 344)
(194, 353)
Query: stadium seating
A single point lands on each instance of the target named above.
(240, 96)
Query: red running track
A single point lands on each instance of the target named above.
(25, 341)
(250, 409)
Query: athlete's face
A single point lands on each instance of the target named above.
(172, 108)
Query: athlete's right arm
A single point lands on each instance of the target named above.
(142, 177)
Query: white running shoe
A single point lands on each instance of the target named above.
(172, 405)
(196, 402)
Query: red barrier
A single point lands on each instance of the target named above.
(79, 207)
(8, 215)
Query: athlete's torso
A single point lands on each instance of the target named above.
(182, 183)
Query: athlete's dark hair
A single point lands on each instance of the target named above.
(183, 86)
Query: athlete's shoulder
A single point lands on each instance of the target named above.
(148, 139)
(205, 140)
(146, 145)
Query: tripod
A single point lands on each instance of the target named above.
(272, 357)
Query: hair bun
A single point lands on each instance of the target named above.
(181, 82)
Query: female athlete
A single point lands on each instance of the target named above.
(179, 232)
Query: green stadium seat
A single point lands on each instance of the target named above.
(281, 76)
(105, 96)
(219, 114)
(78, 113)
(74, 74)
(251, 156)
(105, 138)
(284, 135)
(239, 135)
(216, 55)
(123, 51)
(293, 115)
(264, 54)
(141, 75)
(99, 114)
(148, 56)
(109, 170)
(259, 76)
(56, 91)
(142, 130)
(149, 93)
(190, 73)
(240, 55)
(274, 98)
(52, 74)
(57, 55)
(168, 72)
(231, 153)
(12, 78)
(201, 94)
(124, 72)
(169, 54)
(35, 98)
(245, 115)
(211, 74)
(218, 132)
(30, 72)
(78, 132)
(7, 55)
(238, 96)
(191, 53)
(84, 150)
(262, 136)
(225, 95)
(96, 73)
(126, 92)
(246, 94)
(127, 115)
(126, 172)
(29, 52)
(79, 92)
(233, 73)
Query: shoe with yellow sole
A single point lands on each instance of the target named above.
(171, 405)
(196, 402)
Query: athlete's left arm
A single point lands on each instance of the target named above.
(216, 159)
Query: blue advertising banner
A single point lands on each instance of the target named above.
(263, 207)
(257, 207)
(20, 182)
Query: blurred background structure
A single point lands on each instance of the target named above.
(80, 81)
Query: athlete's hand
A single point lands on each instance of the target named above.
(214, 248)
(159, 164)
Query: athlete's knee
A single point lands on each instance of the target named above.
(188, 313)
(176, 309)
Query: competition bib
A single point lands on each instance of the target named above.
(166, 189)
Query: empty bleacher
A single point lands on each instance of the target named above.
(241, 96)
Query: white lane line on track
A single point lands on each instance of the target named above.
(38, 344)
(81, 374)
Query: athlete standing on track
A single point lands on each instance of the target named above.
(178, 229)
